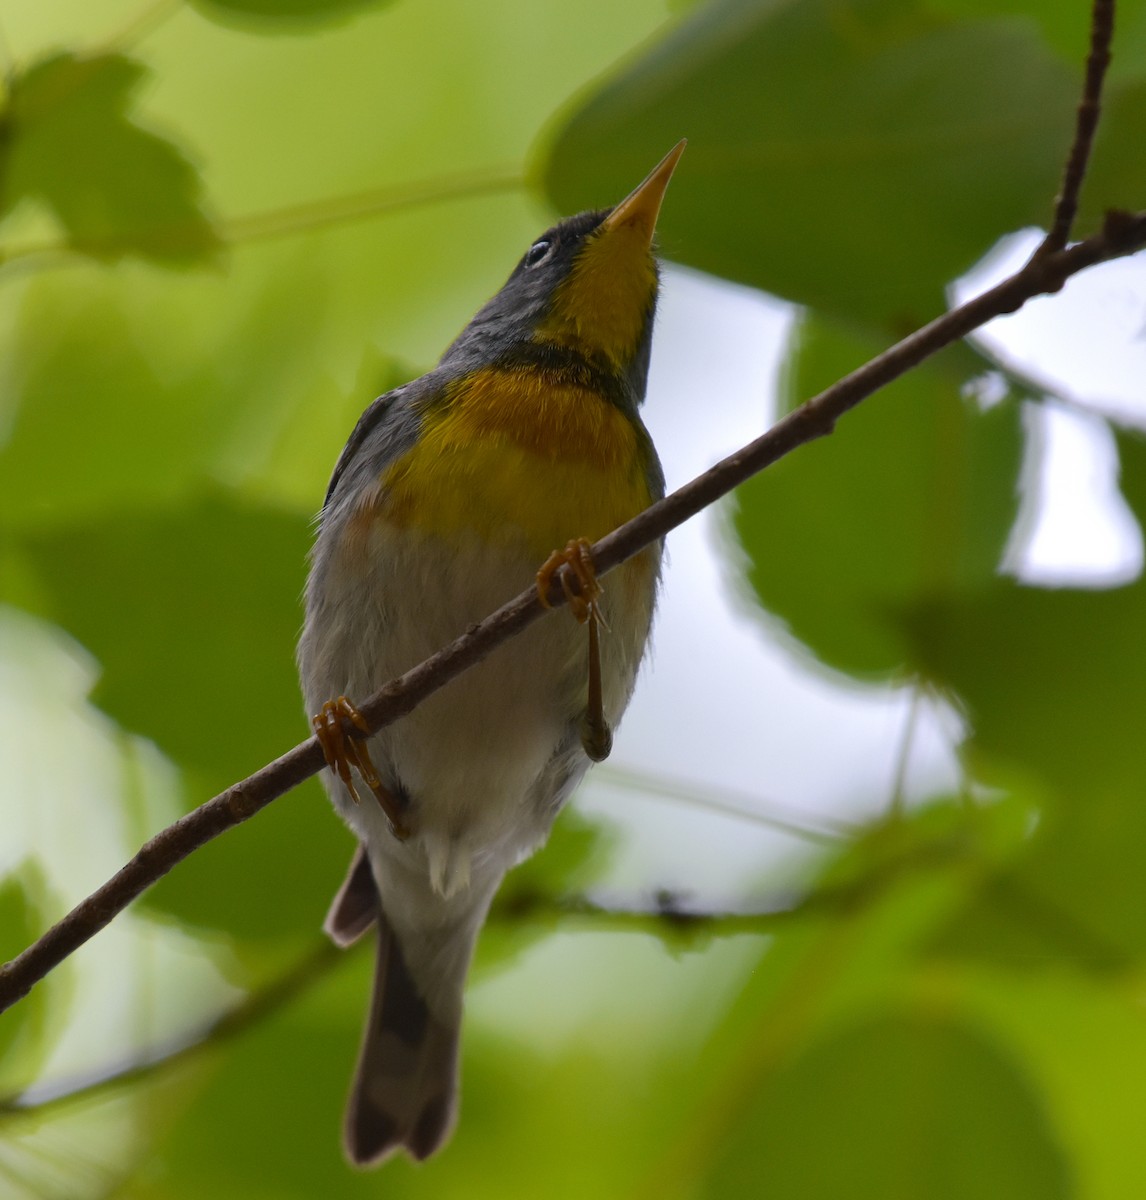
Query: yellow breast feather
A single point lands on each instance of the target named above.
(515, 456)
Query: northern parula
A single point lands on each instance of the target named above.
(449, 495)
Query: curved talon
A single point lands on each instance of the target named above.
(596, 736)
(343, 751)
(578, 557)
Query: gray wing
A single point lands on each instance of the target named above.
(385, 431)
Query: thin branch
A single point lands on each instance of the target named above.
(665, 913)
(1086, 123)
(260, 1004)
(322, 214)
(1026, 378)
(1122, 234)
(906, 745)
(279, 222)
(144, 22)
(769, 813)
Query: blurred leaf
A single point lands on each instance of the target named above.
(283, 16)
(943, 833)
(1052, 678)
(92, 405)
(133, 416)
(851, 945)
(22, 1027)
(116, 188)
(1052, 684)
(270, 1113)
(908, 1107)
(270, 879)
(812, 120)
(303, 439)
(1086, 1045)
(1116, 177)
(913, 497)
(267, 1124)
(1066, 27)
(193, 614)
(1054, 907)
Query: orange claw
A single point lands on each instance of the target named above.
(578, 557)
(596, 736)
(343, 751)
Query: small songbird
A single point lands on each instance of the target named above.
(451, 493)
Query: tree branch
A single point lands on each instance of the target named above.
(665, 914)
(1122, 234)
(1085, 126)
(309, 217)
(1051, 265)
(321, 958)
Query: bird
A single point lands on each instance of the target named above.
(455, 492)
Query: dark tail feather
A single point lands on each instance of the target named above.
(405, 1088)
(355, 907)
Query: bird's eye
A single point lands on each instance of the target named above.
(538, 252)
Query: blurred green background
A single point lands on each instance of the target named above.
(225, 225)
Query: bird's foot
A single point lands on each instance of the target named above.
(582, 591)
(579, 583)
(345, 752)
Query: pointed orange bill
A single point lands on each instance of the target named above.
(642, 206)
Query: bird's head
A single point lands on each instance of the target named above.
(588, 286)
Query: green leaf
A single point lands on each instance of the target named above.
(1051, 682)
(896, 1108)
(116, 188)
(193, 614)
(912, 497)
(1066, 27)
(1051, 678)
(283, 16)
(270, 879)
(87, 401)
(1085, 1040)
(854, 156)
(1076, 898)
(133, 414)
(266, 1124)
(21, 1027)
(1116, 177)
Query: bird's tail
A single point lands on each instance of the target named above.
(405, 1088)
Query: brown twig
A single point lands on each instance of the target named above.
(312, 217)
(311, 967)
(1086, 123)
(1122, 234)
(665, 913)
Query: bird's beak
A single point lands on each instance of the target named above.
(605, 301)
(641, 207)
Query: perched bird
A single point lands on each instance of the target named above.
(451, 493)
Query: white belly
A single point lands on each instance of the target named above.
(486, 761)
